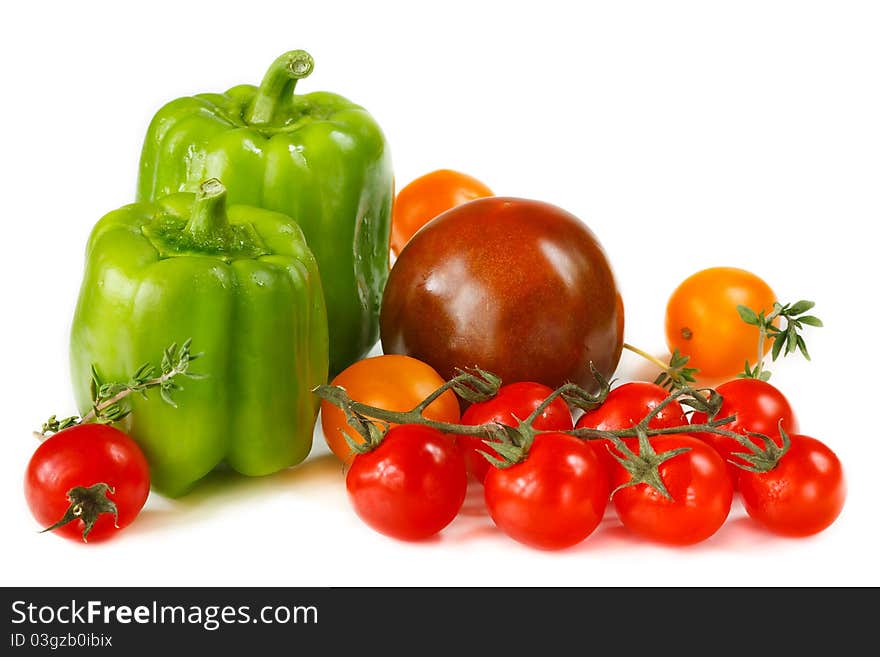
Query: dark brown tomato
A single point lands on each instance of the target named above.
(517, 287)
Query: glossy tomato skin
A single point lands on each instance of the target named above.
(702, 320)
(391, 382)
(758, 406)
(701, 493)
(802, 495)
(85, 455)
(411, 486)
(428, 196)
(517, 287)
(514, 402)
(625, 407)
(554, 498)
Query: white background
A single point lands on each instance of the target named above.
(686, 134)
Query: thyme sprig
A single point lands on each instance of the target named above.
(108, 397)
(786, 339)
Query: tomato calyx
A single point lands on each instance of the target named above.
(474, 386)
(87, 503)
(512, 444)
(578, 397)
(644, 467)
(762, 459)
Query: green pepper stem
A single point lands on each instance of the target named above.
(208, 223)
(278, 85)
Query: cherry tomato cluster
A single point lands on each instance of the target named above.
(414, 482)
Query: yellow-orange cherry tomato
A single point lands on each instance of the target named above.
(426, 197)
(702, 320)
(391, 382)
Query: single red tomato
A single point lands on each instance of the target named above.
(514, 402)
(73, 462)
(428, 196)
(758, 407)
(700, 489)
(552, 499)
(411, 486)
(802, 495)
(516, 287)
(625, 406)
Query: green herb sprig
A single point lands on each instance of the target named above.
(786, 339)
(107, 397)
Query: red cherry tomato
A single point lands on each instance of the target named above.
(82, 456)
(554, 498)
(758, 407)
(802, 495)
(513, 402)
(625, 407)
(411, 486)
(698, 484)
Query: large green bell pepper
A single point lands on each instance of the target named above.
(316, 157)
(242, 283)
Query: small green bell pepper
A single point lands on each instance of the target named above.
(242, 283)
(316, 157)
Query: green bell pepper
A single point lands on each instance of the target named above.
(316, 157)
(242, 283)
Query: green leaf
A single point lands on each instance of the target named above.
(194, 376)
(747, 315)
(144, 372)
(778, 342)
(165, 394)
(790, 340)
(803, 347)
(800, 307)
(765, 375)
(811, 320)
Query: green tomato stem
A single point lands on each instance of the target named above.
(644, 354)
(762, 334)
(430, 399)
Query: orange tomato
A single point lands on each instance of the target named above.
(702, 321)
(392, 382)
(426, 197)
